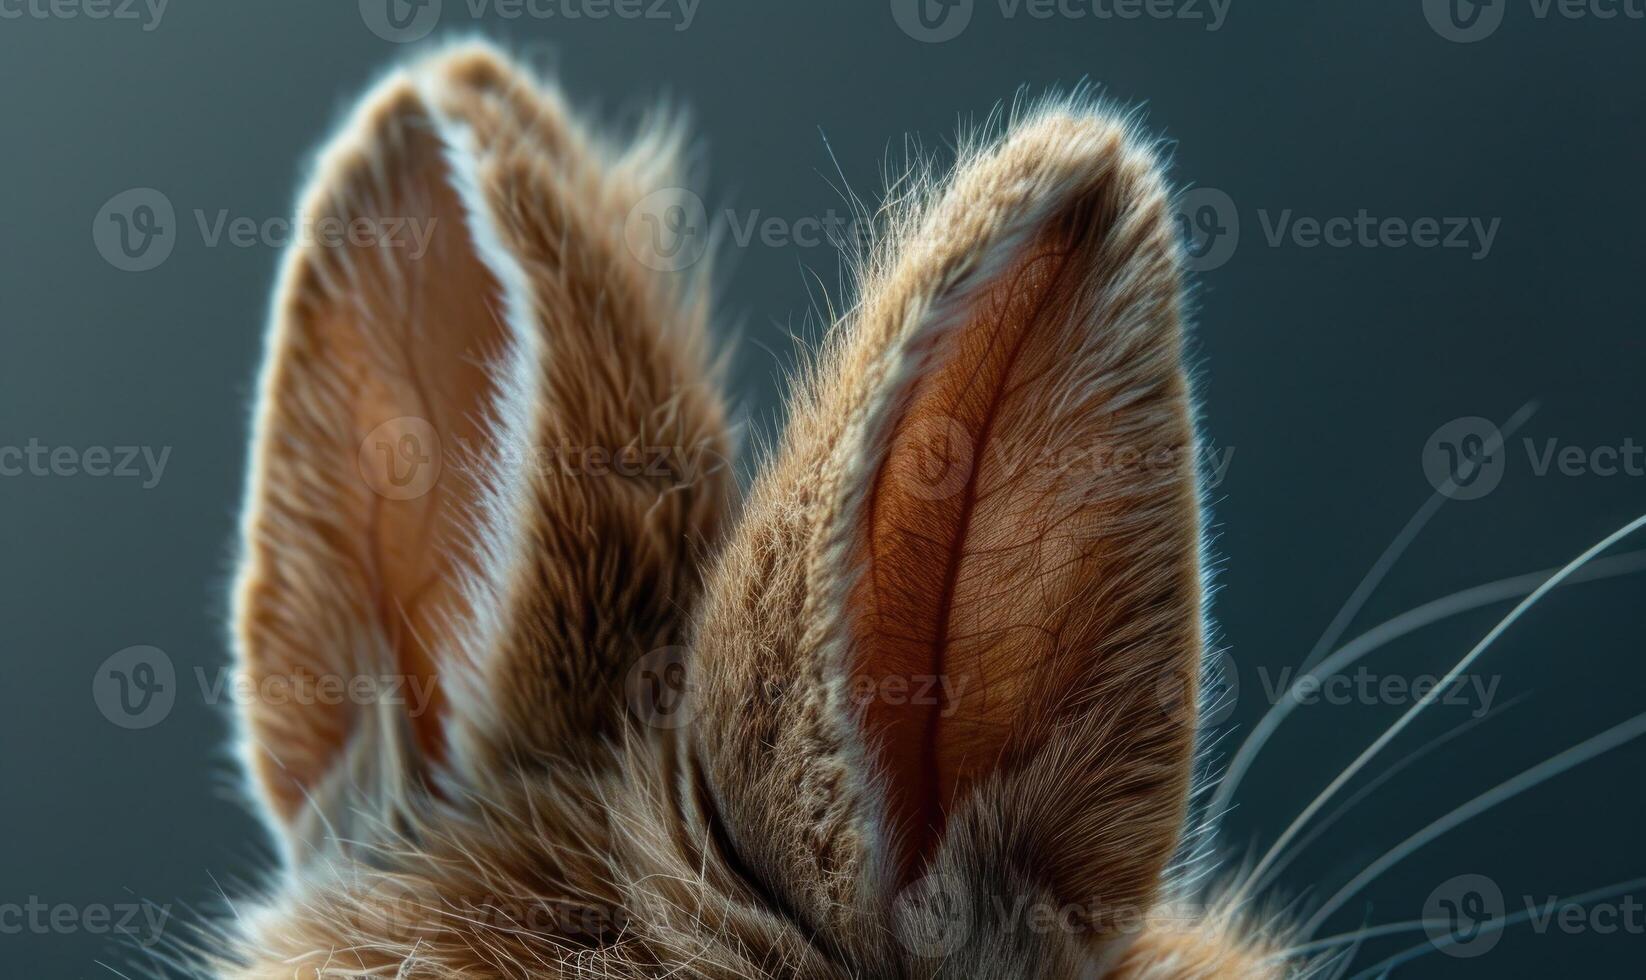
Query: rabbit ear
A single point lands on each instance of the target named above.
(985, 510)
(482, 467)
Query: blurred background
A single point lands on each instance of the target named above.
(1410, 220)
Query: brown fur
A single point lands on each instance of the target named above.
(929, 519)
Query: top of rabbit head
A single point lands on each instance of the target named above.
(535, 699)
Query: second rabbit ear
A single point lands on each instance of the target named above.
(975, 561)
(483, 467)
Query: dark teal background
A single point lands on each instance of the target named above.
(1325, 369)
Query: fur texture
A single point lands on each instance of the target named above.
(938, 715)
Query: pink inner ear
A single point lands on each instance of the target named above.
(425, 364)
(368, 500)
(958, 605)
(977, 547)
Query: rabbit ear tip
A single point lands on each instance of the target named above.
(1087, 133)
(381, 113)
(471, 63)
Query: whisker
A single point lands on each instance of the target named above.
(1351, 606)
(1345, 960)
(1357, 936)
(226, 900)
(1445, 683)
(1537, 775)
(1371, 787)
(1397, 547)
(1387, 632)
(1416, 925)
(1384, 967)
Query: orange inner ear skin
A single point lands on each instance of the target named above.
(425, 365)
(385, 378)
(971, 550)
(405, 559)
